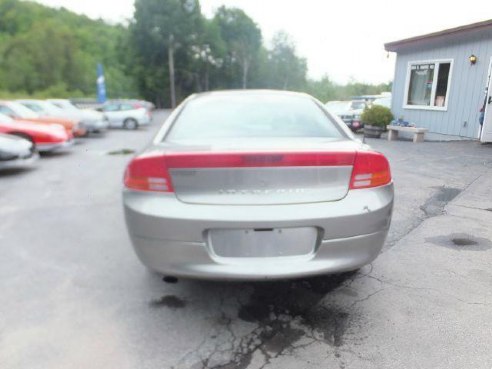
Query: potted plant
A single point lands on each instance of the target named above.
(375, 120)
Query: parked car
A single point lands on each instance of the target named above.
(93, 121)
(16, 152)
(138, 103)
(348, 111)
(18, 111)
(256, 185)
(45, 138)
(337, 107)
(146, 104)
(149, 105)
(383, 101)
(129, 115)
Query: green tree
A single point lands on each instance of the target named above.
(45, 50)
(161, 28)
(207, 56)
(45, 55)
(286, 69)
(326, 90)
(168, 51)
(323, 89)
(243, 40)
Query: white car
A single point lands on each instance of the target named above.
(349, 111)
(383, 101)
(93, 120)
(126, 115)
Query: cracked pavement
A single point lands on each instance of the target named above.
(75, 296)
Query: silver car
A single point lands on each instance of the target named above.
(254, 185)
(92, 121)
(126, 114)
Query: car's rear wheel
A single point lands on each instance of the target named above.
(130, 123)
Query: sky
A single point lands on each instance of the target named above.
(342, 39)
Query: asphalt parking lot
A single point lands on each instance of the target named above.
(75, 296)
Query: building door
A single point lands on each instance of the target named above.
(486, 135)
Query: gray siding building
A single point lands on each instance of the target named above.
(441, 81)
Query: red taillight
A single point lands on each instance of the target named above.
(148, 173)
(371, 169)
(151, 172)
(260, 159)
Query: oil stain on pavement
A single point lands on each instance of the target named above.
(121, 152)
(461, 242)
(169, 301)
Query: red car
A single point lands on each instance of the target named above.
(16, 110)
(45, 138)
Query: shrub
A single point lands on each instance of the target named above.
(7, 95)
(55, 91)
(377, 115)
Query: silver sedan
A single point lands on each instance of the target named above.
(128, 115)
(253, 185)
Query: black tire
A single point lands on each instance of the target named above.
(130, 123)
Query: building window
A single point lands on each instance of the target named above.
(428, 85)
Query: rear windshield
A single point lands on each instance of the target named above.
(62, 104)
(22, 111)
(32, 106)
(252, 116)
(357, 105)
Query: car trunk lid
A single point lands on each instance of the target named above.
(261, 174)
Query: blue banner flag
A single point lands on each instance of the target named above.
(101, 85)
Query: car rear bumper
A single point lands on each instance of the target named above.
(193, 260)
(171, 237)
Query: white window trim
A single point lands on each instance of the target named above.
(434, 84)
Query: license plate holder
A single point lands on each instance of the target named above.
(262, 242)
